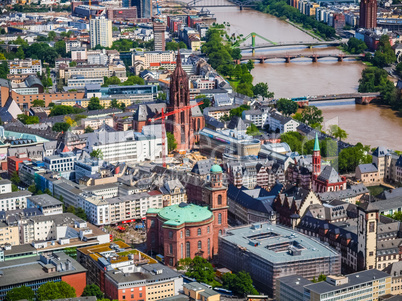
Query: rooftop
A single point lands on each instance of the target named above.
(45, 200)
(277, 244)
(31, 269)
(176, 215)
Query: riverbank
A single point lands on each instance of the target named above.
(299, 27)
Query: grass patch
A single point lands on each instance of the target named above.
(376, 190)
(233, 82)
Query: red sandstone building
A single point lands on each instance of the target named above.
(188, 230)
(13, 163)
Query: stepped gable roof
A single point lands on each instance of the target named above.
(329, 174)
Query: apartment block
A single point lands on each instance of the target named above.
(26, 66)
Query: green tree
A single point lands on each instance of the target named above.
(356, 46)
(58, 110)
(238, 111)
(28, 119)
(321, 277)
(171, 141)
(206, 102)
(14, 188)
(88, 129)
(94, 104)
(293, 139)
(32, 188)
(396, 216)
(51, 35)
(55, 290)
(201, 270)
(113, 80)
(286, 106)
(134, 80)
(38, 103)
(224, 118)
(114, 104)
(92, 290)
(349, 158)
(162, 96)
(252, 130)
(73, 64)
(240, 284)
(81, 213)
(250, 65)
(15, 178)
(384, 55)
(261, 89)
(337, 132)
(20, 293)
(96, 153)
(60, 127)
(60, 47)
(312, 115)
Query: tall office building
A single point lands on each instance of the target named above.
(368, 14)
(144, 8)
(101, 32)
(159, 36)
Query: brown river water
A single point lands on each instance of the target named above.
(369, 124)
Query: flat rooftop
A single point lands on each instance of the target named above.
(45, 200)
(32, 269)
(277, 244)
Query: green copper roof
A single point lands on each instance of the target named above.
(316, 143)
(216, 168)
(176, 215)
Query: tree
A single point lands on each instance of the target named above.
(206, 102)
(349, 158)
(64, 110)
(60, 47)
(261, 89)
(19, 293)
(73, 64)
(70, 121)
(113, 80)
(51, 35)
(28, 119)
(240, 284)
(2, 57)
(384, 55)
(15, 178)
(14, 188)
(321, 277)
(60, 127)
(250, 65)
(88, 129)
(201, 270)
(81, 213)
(171, 141)
(161, 96)
(94, 104)
(32, 188)
(312, 115)
(114, 104)
(92, 290)
(38, 103)
(134, 80)
(355, 46)
(55, 290)
(238, 111)
(96, 153)
(184, 264)
(252, 130)
(286, 106)
(337, 132)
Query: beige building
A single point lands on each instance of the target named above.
(95, 123)
(367, 174)
(9, 234)
(153, 60)
(96, 71)
(198, 291)
(100, 31)
(395, 271)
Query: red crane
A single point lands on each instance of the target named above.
(163, 117)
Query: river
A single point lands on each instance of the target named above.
(370, 124)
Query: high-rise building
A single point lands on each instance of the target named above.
(368, 14)
(101, 32)
(159, 36)
(144, 8)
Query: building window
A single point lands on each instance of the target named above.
(171, 261)
(181, 234)
(199, 245)
(371, 253)
(220, 232)
(209, 246)
(219, 200)
(181, 251)
(171, 248)
(187, 233)
(220, 218)
(199, 232)
(371, 227)
(170, 234)
(208, 229)
(188, 249)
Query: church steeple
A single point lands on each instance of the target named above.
(316, 157)
(178, 58)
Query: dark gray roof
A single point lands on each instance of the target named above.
(44, 200)
(370, 167)
(237, 124)
(295, 282)
(202, 167)
(329, 174)
(391, 193)
(10, 111)
(214, 123)
(380, 151)
(354, 279)
(32, 80)
(282, 119)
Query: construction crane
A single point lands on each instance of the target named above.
(163, 117)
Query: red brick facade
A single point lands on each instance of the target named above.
(130, 293)
(77, 281)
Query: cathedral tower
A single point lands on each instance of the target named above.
(180, 124)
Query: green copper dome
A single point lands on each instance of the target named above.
(176, 215)
(216, 168)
